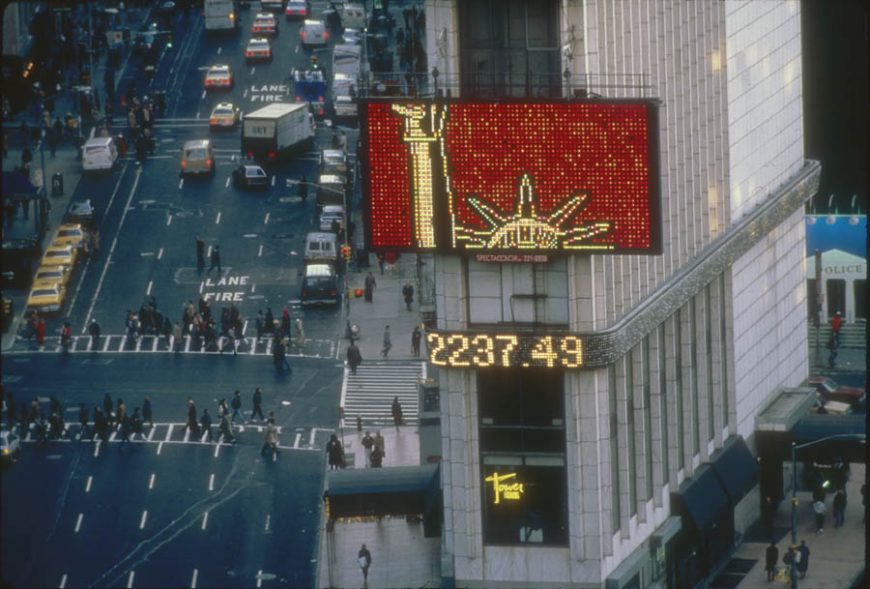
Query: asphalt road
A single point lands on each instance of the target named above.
(169, 510)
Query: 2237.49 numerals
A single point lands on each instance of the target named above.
(481, 350)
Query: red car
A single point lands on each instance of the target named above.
(829, 390)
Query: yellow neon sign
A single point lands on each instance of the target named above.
(512, 491)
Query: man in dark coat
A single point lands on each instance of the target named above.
(334, 453)
(354, 358)
(771, 557)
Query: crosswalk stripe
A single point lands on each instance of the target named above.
(369, 393)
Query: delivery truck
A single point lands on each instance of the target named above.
(276, 131)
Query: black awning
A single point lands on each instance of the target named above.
(701, 498)
(737, 469)
(402, 490)
(815, 428)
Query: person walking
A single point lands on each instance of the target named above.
(832, 349)
(368, 442)
(840, 508)
(177, 336)
(215, 259)
(121, 412)
(236, 404)
(354, 358)
(146, 411)
(136, 424)
(370, 285)
(227, 430)
(364, 557)
(388, 342)
(285, 322)
(200, 253)
(803, 562)
(836, 325)
(271, 440)
(223, 408)
(269, 323)
(260, 325)
(101, 428)
(771, 557)
(416, 336)
(258, 402)
(408, 294)
(377, 457)
(124, 430)
(83, 421)
(396, 410)
(94, 330)
(108, 405)
(381, 443)
(205, 424)
(192, 424)
(334, 453)
(819, 510)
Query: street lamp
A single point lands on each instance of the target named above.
(435, 74)
(794, 449)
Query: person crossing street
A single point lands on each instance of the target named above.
(258, 402)
(236, 404)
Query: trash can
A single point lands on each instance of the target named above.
(57, 184)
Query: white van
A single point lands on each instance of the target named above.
(321, 247)
(99, 153)
(353, 16)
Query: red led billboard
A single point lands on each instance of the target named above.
(546, 177)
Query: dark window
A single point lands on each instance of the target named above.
(663, 399)
(631, 442)
(615, 512)
(522, 442)
(693, 339)
(860, 299)
(708, 382)
(836, 296)
(723, 347)
(509, 48)
(678, 389)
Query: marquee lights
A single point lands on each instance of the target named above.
(532, 177)
(504, 350)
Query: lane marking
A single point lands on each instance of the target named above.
(253, 70)
(219, 50)
(260, 253)
(97, 448)
(311, 439)
(273, 180)
(217, 220)
(187, 434)
(180, 182)
(160, 254)
(227, 183)
(268, 522)
(197, 114)
(193, 580)
(169, 432)
(88, 484)
(203, 95)
(62, 581)
(245, 93)
(211, 482)
(79, 522)
(244, 327)
(138, 344)
(151, 481)
(106, 345)
(151, 433)
(169, 220)
(208, 253)
(130, 579)
(204, 521)
(143, 520)
(150, 286)
(156, 341)
(260, 578)
(266, 220)
(123, 342)
(217, 449)
(254, 286)
(296, 441)
(159, 448)
(201, 286)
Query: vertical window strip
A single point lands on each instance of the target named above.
(708, 388)
(647, 417)
(614, 450)
(678, 389)
(693, 334)
(663, 399)
(630, 432)
(723, 347)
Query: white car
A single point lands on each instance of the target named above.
(314, 32)
(259, 49)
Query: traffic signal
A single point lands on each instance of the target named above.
(169, 40)
(345, 252)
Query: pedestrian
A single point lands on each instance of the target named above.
(124, 430)
(231, 341)
(382, 260)
(223, 408)
(100, 425)
(839, 508)
(285, 322)
(215, 259)
(334, 453)
(283, 357)
(40, 333)
(83, 420)
(227, 430)
(278, 355)
(303, 188)
(388, 342)
(836, 325)
(408, 294)
(136, 424)
(146, 411)
(365, 561)
(121, 412)
(771, 557)
(368, 442)
(377, 457)
(803, 562)
(300, 334)
(177, 336)
(200, 253)
(416, 336)
(107, 408)
(236, 404)
(205, 423)
(819, 509)
(370, 285)
(192, 424)
(832, 348)
(271, 440)
(260, 325)
(381, 443)
(258, 400)
(354, 358)
(94, 330)
(396, 411)
(269, 323)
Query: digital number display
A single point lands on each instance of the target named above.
(512, 176)
(503, 350)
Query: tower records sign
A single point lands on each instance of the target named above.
(512, 177)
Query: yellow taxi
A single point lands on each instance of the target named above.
(258, 49)
(70, 234)
(223, 116)
(265, 23)
(51, 274)
(46, 297)
(219, 77)
(59, 255)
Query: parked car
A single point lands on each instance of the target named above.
(59, 255)
(82, 212)
(320, 285)
(333, 161)
(70, 234)
(829, 390)
(46, 297)
(52, 274)
(330, 214)
(248, 176)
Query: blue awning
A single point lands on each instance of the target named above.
(701, 498)
(848, 445)
(17, 182)
(402, 490)
(737, 469)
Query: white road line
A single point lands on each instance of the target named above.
(245, 93)
(217, 449)
(138, 343)
(151, 481)
(203, 95)
(113, 436)
(90, 344)
(160, 254)
(197, 114)
(217, 220)
(260, 251)
(187, 434)
(219, 50)
(123, 342)
(130, 579)
(208, 253)
(181, 182)
(62, 582)
(169, 432)
(268, 522)
(204, 521)
(253, 69)
(260, 578)
(266, 220)
(169, 220)
(159, 448)
(193, 579)
(211, 482)
(227, 183)
(150, 286)
(114, 244)
(143, 520)
(254, 286)
(253, 345)
(79, 522)
(187, 340)
(273, 180)
(97, 448)
(88, 484)
(296, 441)
(244, 327)
(106, 345)
(151, 433)
(154, 346)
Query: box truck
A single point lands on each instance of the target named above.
(276, 130)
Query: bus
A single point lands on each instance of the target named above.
(221, 15)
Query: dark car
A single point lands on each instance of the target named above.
(320, 285)
(81, 212)
(830, 390)
(246, 176)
